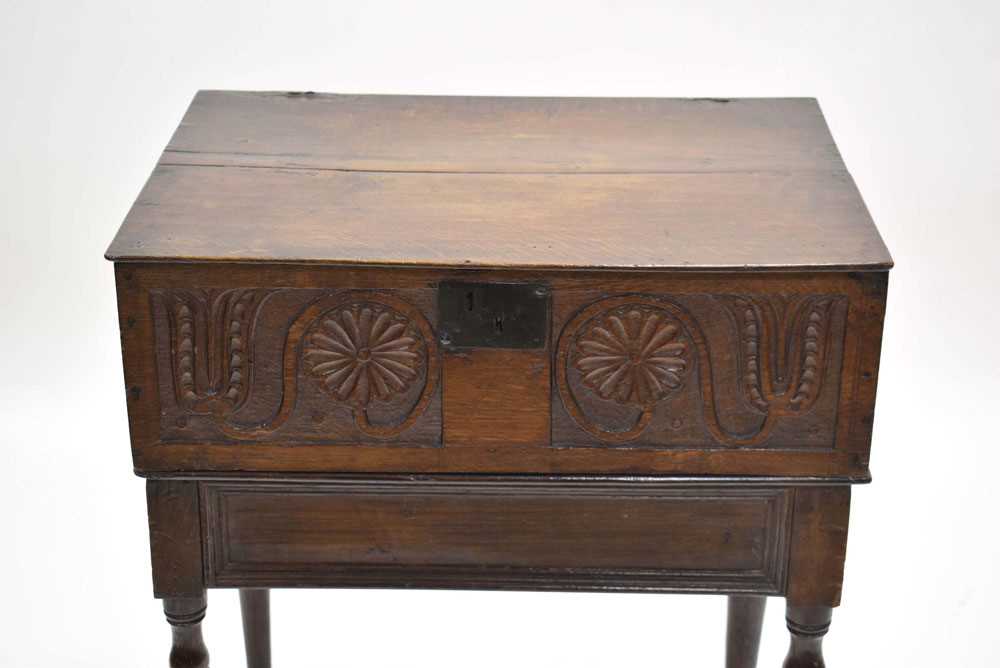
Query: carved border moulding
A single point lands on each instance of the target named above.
(359, 347)
(640, 350)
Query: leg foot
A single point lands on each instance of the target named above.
(185, 615)
(746, 616)
(255, 605)
(808, 625)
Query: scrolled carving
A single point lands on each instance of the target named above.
(638, 350)
(358, 346)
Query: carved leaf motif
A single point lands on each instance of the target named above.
(364, 352)
(633, 355)
(211, 332)
(810, 376)
(797, 327)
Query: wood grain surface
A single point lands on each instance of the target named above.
(175, 540)
(496, 399)
(502, 134)
(819, 545)
(467, 182)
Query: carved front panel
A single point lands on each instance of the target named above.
(628, 370)
(331, 366)
(646, 370)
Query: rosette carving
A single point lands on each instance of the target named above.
(365, 352)
(633, 355)
(630, 350)
(367, 346)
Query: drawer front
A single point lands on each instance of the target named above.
(496, 534)
(331, 369)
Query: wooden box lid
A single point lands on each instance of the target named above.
(556, 183)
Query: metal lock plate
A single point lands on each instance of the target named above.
(493, 315)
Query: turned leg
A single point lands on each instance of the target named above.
(815, 570)
(746, 616)
(255, 605)
(185, 615)
(808, 625)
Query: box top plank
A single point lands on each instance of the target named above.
(553, 183)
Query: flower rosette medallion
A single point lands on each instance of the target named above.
(364, 352)
(634, 354)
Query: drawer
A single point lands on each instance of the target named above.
(327, 369)
(501, 534)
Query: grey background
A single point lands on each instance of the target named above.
(91, 94)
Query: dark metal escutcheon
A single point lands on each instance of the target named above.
(493, 315)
